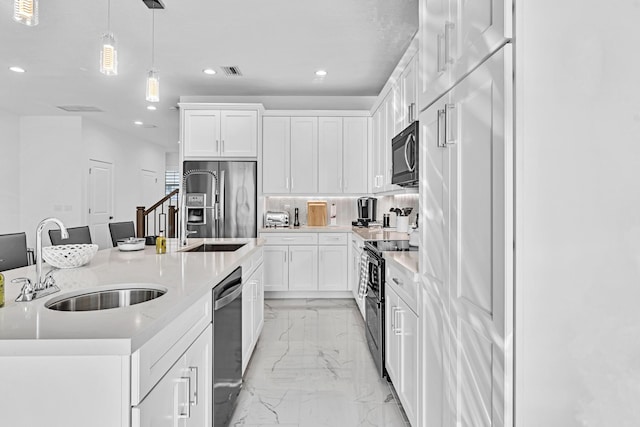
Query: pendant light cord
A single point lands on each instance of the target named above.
(153, 35)
(109, 16)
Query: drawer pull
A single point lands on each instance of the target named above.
(397, 282)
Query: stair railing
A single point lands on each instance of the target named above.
(157, 219)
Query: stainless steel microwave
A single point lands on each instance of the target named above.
(404, 156)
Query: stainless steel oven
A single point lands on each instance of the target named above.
(374, 307)
(375, 298)
(404, 156)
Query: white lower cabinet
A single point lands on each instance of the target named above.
(183, 396)
(303, 268)
(306, 262)
(252, 313)
(276, 271)
(357, 246)
(401, 349)
(332, 268)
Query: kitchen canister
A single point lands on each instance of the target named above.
(402, 224)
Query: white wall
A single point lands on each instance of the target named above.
(9, 173)
(129, 157)
(578, 217)
(44, 164)
(51, 172)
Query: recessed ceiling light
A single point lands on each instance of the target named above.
(138, 123)
(321, 73)
(209, 71)
(17, 69)
(151, 107)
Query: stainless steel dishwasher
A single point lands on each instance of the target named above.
(227, 347)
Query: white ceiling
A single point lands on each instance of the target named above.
(277, 44)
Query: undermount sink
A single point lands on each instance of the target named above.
(105, 299)
(217, 247)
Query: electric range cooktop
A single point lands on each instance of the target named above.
(390, 245)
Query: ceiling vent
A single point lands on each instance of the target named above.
(231, 71)
(80, 108)
(154, 4)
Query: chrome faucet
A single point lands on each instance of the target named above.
(183, 201)
(45, 284)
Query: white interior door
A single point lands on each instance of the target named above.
(100, 201)
(150, 189)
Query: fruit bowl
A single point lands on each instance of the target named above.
(69, 256)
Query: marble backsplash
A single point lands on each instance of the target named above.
(346, 207)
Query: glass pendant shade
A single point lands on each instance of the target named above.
(109, 55)
(26, 12)
(153, 86)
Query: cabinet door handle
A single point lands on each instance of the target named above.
(291, 256)
(193, 393)
(223, 146)
(398, 329)
(217, 145)
(449, 124)
(440, 134)
(448, 26)
(439, 63)
(179, 403)
(397, 282)
(284, 257)
(286, 182)
(393, 320)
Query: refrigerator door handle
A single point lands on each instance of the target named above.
(221, 205)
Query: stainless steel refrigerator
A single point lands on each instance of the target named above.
(220, 198)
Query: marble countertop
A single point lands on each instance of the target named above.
(379, 233)
(406, 260)
(307, 229)
(29, 328)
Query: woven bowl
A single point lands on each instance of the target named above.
(69, 256)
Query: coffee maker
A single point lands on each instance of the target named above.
(366, 211)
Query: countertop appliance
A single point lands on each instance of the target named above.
(227, 347)
(404, 156)
(375, 297)
(222, 201)
(276, 219)
(366, 211)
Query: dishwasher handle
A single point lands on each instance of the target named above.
(229, 297)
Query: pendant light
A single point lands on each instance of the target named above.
(153, 78)
(108, 53)
(26, 12)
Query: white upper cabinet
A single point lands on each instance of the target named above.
(408, 94)
(276, 144)
(211, 133)
(354, 154)
(304, 146)
(311, 155)
(455, 37)
(378, 155)
(201, 133)
(239, 133)
(330, 178)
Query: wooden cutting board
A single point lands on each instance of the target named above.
(316, 213)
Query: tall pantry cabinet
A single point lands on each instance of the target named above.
(466, 206)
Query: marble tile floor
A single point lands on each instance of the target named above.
(312, 368)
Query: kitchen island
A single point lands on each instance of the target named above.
(100, 368)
